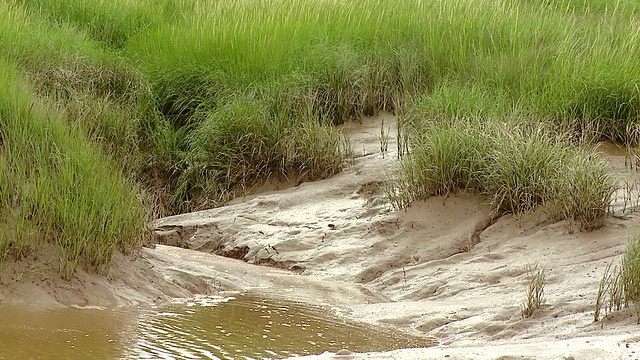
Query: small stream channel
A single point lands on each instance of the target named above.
(238, 327)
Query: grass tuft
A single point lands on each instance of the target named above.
(535, 290)
(244, 142)
(620, 286)
(587, 191)
(517, 165)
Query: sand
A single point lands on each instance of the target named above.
(337, 243)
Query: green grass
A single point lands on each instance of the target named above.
(56, 187)
(246, 139)
(110, 22)
(620, 286)
(89, 84)
(347, 59)
(630, 275)
(197, 101)
(518, 165)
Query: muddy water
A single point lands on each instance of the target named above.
(238, 327)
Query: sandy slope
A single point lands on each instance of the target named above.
(336, 243)
(416, 265)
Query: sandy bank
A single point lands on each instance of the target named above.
(336, 243)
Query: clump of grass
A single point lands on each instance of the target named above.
(630, 275)
(518, 165)
(56, 185)
(243, 142)
(609, 296)
(447, 161)
(620, 286)
(522, 168)
(586, 192)
(535, 290)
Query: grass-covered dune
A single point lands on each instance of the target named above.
(113, 110)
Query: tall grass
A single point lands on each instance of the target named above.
(110, 22)
(365, 52)
(95, 89)
(61, 58)
(354, 58)
(57, 187)
(630, 275)
(244, 140)
(620, 286)
(518, 165)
